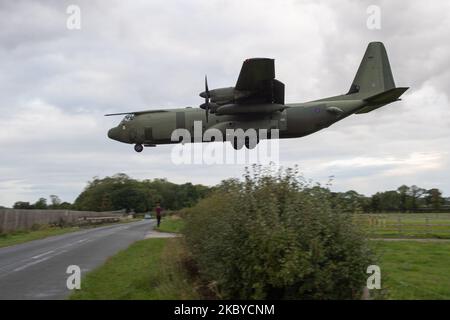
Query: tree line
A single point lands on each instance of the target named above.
(120, 192)
(404, 199)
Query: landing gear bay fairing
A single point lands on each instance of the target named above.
(257, 102)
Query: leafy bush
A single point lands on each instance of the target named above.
(274, 236)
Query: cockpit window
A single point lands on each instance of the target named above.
(128, 117)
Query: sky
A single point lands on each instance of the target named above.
(56, 83)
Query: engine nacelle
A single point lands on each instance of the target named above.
(233, 108)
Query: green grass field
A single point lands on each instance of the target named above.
(171, 224)
(9, 239)
(148, 269)
(415, 270)
(407, 225)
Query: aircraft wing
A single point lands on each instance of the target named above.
(257, 83)
(254, 73)
(135, 112)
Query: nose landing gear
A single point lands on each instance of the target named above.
(138, 147)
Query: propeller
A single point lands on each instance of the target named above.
(206, 105)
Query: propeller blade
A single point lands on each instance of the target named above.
(206, 97)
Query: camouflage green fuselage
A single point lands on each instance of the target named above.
(297, 120)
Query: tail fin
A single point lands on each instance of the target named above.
(373, 83)
(374, 73)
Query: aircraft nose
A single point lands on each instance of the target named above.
(112, 133)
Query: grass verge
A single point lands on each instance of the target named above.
(171, 224)
(415, 270)
(9, 239)
(148, 269)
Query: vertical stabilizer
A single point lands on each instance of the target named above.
(374, 73)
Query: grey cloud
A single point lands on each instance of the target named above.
(56, 84)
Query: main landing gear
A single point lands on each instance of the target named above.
(138, 147)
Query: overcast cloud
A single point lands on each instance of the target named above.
(56, 84)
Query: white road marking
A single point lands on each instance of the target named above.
(42, 254)
(59, 250)
(30, 264)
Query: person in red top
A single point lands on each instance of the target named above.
(158, 214)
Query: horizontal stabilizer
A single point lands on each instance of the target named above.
(381, 99)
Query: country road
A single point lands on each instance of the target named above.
(37, 269)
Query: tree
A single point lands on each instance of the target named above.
(22, 205)
(375, 202)
(434, 199)
(121, 192)
(55, 201)
(352, 200)
(416, 193)
(65, 206)
(40, 204)
(403, 190)
(129, 199)
(390, 201)
(106, 203)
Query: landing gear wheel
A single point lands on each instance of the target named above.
(138, 147)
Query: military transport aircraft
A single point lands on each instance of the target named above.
(257, 101)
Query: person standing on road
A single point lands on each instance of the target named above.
(158, 214)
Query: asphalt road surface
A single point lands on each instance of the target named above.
(37, 269)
